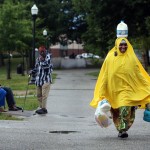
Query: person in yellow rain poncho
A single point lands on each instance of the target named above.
(124, 83)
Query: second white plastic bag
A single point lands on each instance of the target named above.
(102, 114)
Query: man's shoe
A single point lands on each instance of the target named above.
(14, 108)
(123, 134)
(19, 108)
(41, 111)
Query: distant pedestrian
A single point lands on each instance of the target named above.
(43, 72)
(124, 83)
(72, 56)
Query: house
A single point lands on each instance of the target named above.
(59, 50)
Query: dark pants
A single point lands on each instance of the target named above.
(2, 97)
(9, 97)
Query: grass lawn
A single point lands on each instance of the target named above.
(9, 117)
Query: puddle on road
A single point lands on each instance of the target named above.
(62, 132)
(80, 117)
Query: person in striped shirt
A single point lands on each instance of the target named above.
(43, 72)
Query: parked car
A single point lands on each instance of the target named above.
(87, 55)
(79, 56)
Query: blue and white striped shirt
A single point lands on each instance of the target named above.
(43, 71)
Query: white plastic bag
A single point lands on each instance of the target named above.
(102, 114)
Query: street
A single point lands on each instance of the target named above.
(70, 123)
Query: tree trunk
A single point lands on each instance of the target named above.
(8, 67)
(1, 60)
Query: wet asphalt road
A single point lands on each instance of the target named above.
(70, 123)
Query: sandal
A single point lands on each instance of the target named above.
(123, 134)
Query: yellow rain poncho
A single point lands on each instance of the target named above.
(122, 79)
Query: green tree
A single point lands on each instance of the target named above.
(14, 29)
(102, 18)
(59, 17)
